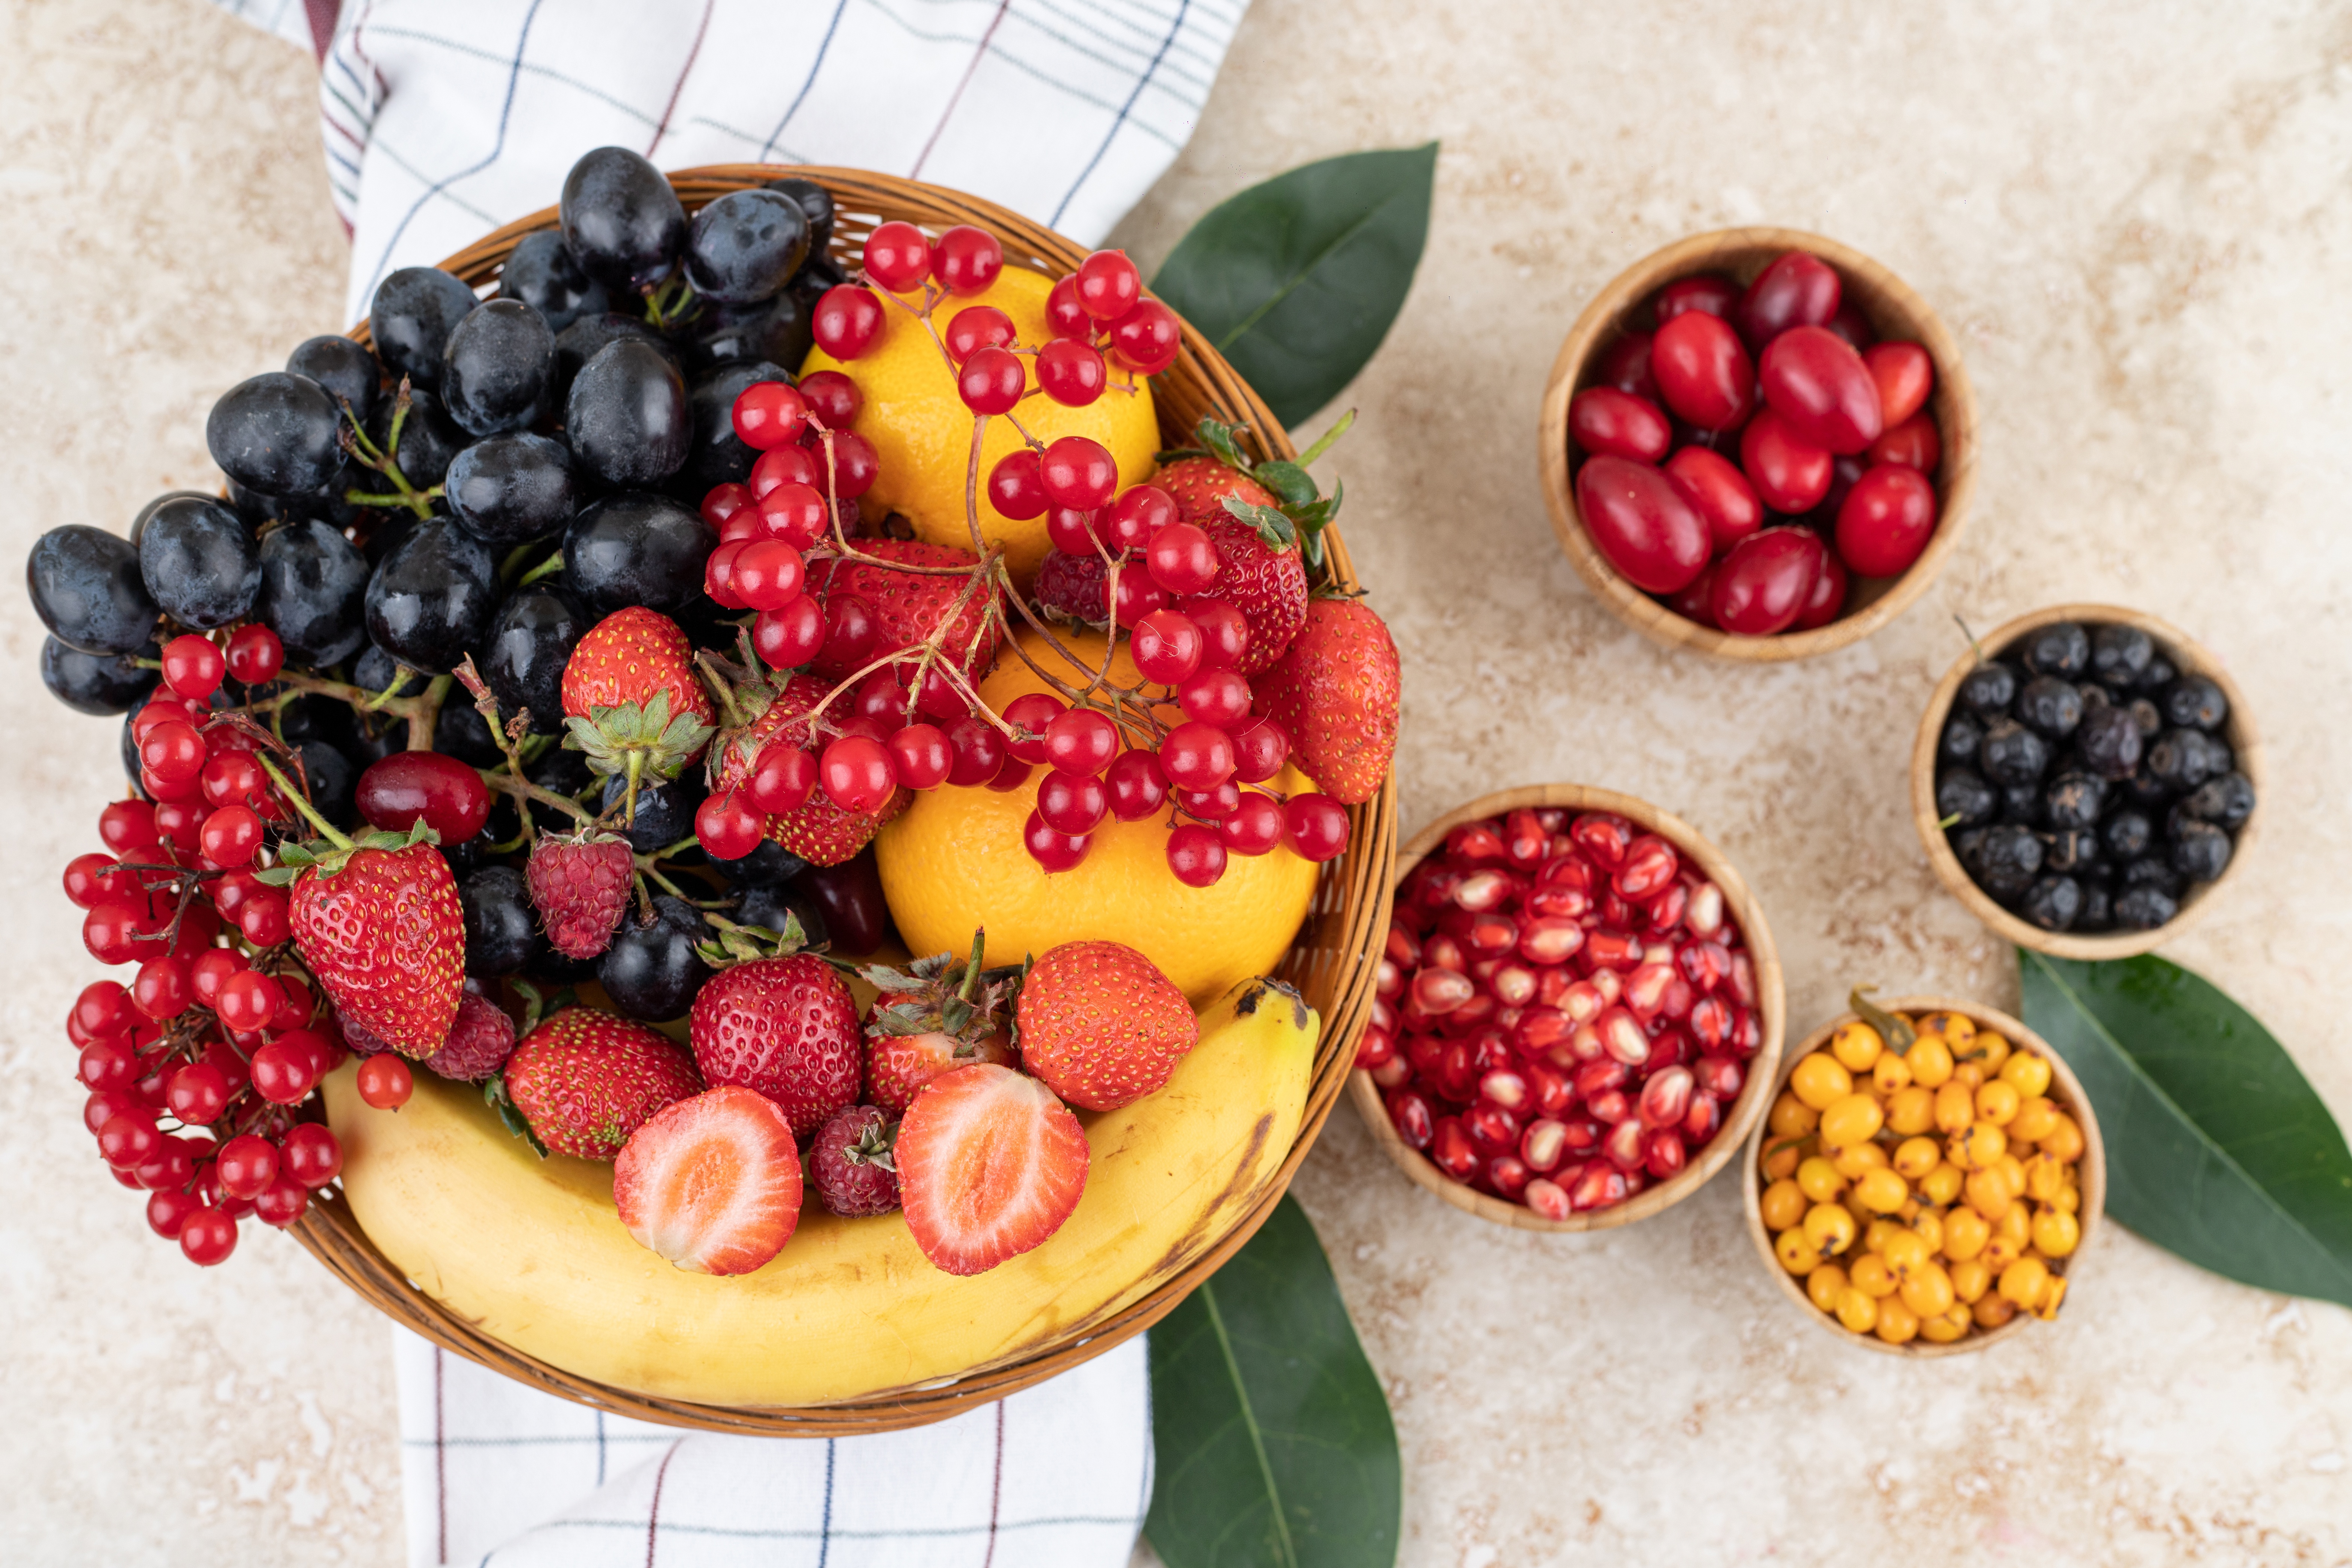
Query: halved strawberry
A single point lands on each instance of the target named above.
(712, 1183)
(990, 1164)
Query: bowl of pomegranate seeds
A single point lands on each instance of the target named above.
(1759, 443)
(1578, 1013)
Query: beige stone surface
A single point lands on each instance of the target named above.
(2139, 223)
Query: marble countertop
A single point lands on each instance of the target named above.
(2139, 230)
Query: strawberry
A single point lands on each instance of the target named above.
(479, 1042)
(990, 1164)
(1336, 692)
(784, 1025)
(1077, 587)
(632, 699)
(580, 885)
(377, 919)
(712, 1182)
(908, 606)
(937, 1014)
(1265, 580)
(819, 832)
(1099, 1023)
(585, 1080)
(1199, 486)
(851, 1163)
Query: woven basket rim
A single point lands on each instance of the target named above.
(1350, 906)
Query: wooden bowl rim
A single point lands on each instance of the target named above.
(2189, 656)
(1954, 402)
(1746, 1110)
(2091, 1170)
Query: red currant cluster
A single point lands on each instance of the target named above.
(1565, 1010)
(221, 1041)
(1834, 442)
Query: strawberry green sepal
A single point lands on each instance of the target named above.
(941, 995)
(876, 1146)
(737, 944)
(1305, 511)
(495, 1095)
(323, 858)
(635, 740)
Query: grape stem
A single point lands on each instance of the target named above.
(422, 711)
(509, 738)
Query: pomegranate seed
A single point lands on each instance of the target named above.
(1603, 836)
(1634, 1182)
(1657, 952)
(1743, 979)
(1538, 1030)
(1650, 866)
(1491, 1127)
(1432, 883)
(1704, 917)
(1746, 1034)
(1425, 1052)
(1666, 1097)
(1494, 933)
(1438, 991)
(1544, 1145)
(1610, 949)
(1505, 1019)
(1514, 984)
(1403, 948)
(1595, 1078)
(1581, 1137)
(1375, 1048)
(1441, 952)
(1718, 1076)
(1553, 1092)
(1545, 1199)
(1669, 1048)
(1701, 1120)
(1676, 1004)
(1492, 1051)
(1388, 980)
(1623, 1145)
(1549, 939)
(1712, 1020)
(1410, 1112)
(1645, 989)
(1553, 984)
(1506, 1089)
(1621, 1036)
(1475, 841)
(1582, 1001)
(1451, 1151)
(1393, 1072)
(1474, 1014)
(1600, 1186)
(1457, 1072)
(1584, 1044)
(1612, 1108)
(1525, 842)
(1557, 903)
(1508, 1175)
(1482, 890)
(1567, 872)
(1706, 964)
(1664, 912)
(1384, 1015)
(1552, 819)
(1663, 1154)
(1609, 984)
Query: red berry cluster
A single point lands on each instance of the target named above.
(195, 1069)
(1835, 443)
(212, 805)
(1565, 1010)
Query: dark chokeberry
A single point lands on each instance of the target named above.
(1958, 744)
(565, 773)
(2049, 705)
(1964, 798)
(2006, 860)
(626, 416)
(621, 220)
(2145, 909)
(746, 245)
(502, 930)
(308, 717)
(2146, 720)
(410, 320)
(2109, 740)
(2225, 802)
(2011, 753)
(88, 588)
(510, 490)
(817, 209)
(544, 276)
(2179, 761)
(2196, 702)
(2156, 675)
(2063, 649)
(530, 641)
(1990, 688)
(652, 972)
(719, 456)
(2119, 654)
(2070, 851)
(498, 368)
(2074, 800)
(201, 563)
(430, 602)
(2021, 803)
(2053, 903)
(2098, 909)
(343, 369)
(313, 592)
(96, 683)
(2148, 871)
(2127, 833)
(2200, 851)
(636, 548)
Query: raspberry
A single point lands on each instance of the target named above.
(481, 1040)
(1073, 585)
(855, 1172)
(581, 889)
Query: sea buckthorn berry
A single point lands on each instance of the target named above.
(2064, 1141)
(2053, 1294)
(1927, 1291)
(2011, 1171)
(1968, 1075)
(1988, 1194)
(1947, 1326)
(1819, 1081)
(1889, 1074)
(1818, 1179)
(1966, 1235)
(2056, 1233)
(1881, 1192)
(1993, 1310)
(1875, 1228)
(1956, 1029)
(1915, 1157)
(1856, 1119)
(1990, 1051)
(1859, 1159)
(1931, 1061)
(1825, 1285)
(1796, 1254)
(1997, 1102)
(1858, 1309)
(1781, 1164)
(1856, 1046)
(2045, 1178)
(2068, 1198)
(1897, 1325)
(1979, 1147)
(1906, 1251)
(1782, 1204)
(1954, 1108)
(1872, 1277)
(1792, 1118)
(1928, 1223)
(2003, 1249)
(2026, 1073)
(1971, 1280)
(1942, 1185)
(1910, 1112)
(1829, 1229)
(2024, 1280)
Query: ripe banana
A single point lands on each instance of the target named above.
(532, 1252)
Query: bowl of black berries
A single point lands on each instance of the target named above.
(2086, 780)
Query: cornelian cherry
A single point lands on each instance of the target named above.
(1015, 489)
(255, 655)
(975, 328)
(1196, 855)
(1886, 520)
(846, 321)
(1071, 373)
(406, 787)
(1050, 848)
(769, 414)
(966, 260)
(897, 256)
(1622, 424)
(1137, 784)
(1166, 647)
(727, 825)
(1108, 285)
(1704, 375)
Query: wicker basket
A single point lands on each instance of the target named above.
(1332, 960)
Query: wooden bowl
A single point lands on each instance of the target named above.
(1892, 309)
(2090, 1171)
(1332, 962)
(2191, 659)
(1755, 1095)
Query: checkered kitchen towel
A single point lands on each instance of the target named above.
(500, 1476)
(445, 119)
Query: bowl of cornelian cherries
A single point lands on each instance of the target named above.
(1759, 443)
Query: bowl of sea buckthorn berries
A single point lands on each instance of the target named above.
(1927, 1176)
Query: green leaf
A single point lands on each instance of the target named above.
(1297, 280)
(1273, 1441)
(2217, 1148)
(1292, 485)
